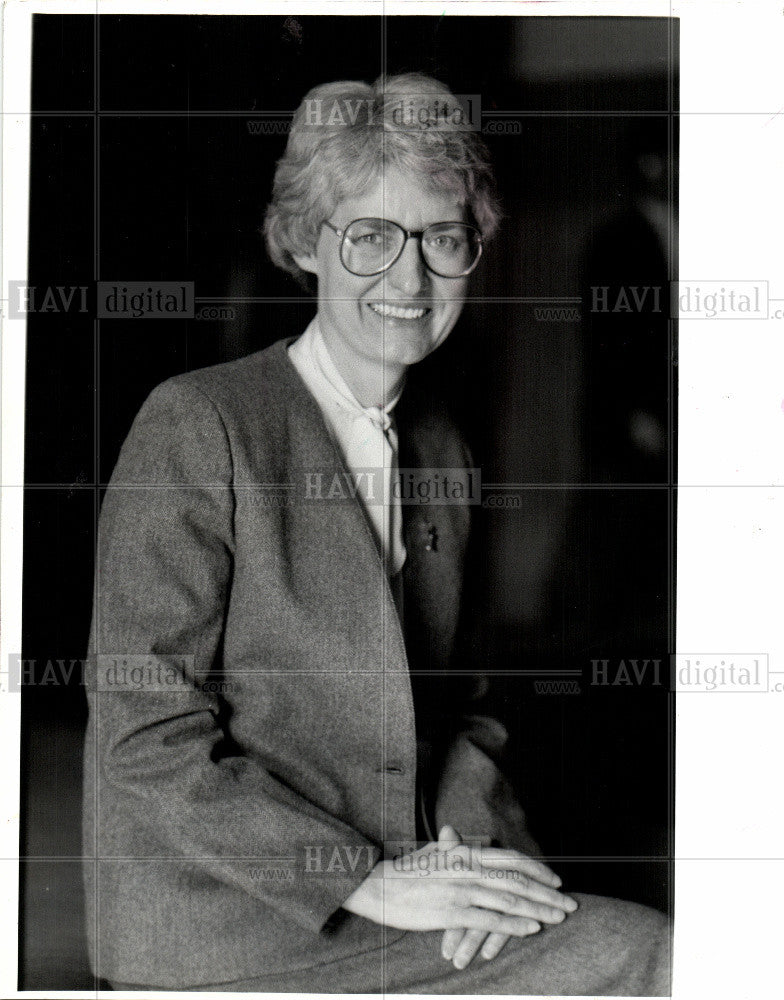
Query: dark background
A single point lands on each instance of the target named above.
(143, 168)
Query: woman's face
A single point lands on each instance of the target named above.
(355, 313)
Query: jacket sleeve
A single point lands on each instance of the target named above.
(473, 793)
(162, 749)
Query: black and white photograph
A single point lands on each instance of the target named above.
(347, 531)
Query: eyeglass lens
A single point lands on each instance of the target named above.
(370, 245)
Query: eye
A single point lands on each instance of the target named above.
(444, 242)
(371, 239)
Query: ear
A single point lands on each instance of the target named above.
(307, 262)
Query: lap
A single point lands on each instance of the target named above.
(607, 947)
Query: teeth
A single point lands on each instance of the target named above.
(398, 312)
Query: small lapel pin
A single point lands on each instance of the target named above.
(432, 539)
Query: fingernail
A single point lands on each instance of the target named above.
(535, 927)
(460, 963)
(557, 882)
(570, 904)
(487, 954)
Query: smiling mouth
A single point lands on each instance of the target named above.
(397, 312)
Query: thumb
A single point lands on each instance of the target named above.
(448, 837)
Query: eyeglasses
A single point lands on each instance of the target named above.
(371, 246)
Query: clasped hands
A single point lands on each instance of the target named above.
(479, 896)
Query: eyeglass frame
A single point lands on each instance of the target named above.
(409, 234)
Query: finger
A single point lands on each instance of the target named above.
(496, 857)
(468, 947)
(450, 941)
(463, 858)
(493, 944)
(524, 885)
(502, 857)
(498, 923)
(515, 905)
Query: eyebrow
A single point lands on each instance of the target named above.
(465, 219)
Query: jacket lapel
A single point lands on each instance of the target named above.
(346, 537)
(435, 534)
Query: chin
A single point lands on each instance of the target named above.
(411, 350)
(410, 355)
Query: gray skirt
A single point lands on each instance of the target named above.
(607, 948)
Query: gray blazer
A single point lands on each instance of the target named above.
(243, 780)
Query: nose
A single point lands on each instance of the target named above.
(408, 274)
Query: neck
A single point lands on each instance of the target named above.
(372, 383)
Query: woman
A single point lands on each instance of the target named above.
(274, 725)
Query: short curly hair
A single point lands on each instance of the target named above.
(344, 134)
